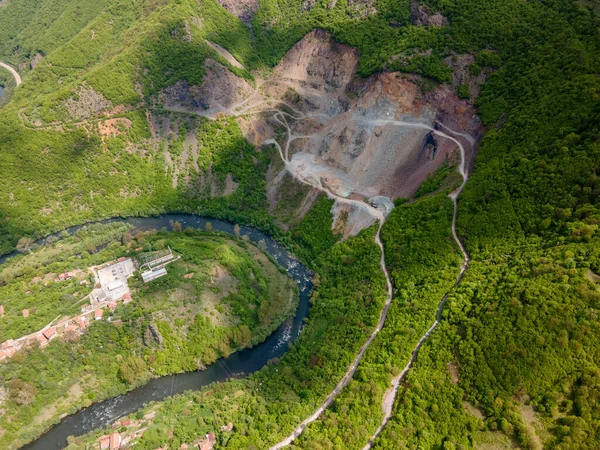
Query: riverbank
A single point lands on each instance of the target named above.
(245, 362)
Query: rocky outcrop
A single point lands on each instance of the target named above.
(86, 103)
(220, 89)
(421, 15)
(242, 9)
(152, 336)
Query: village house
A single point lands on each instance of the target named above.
(98, 314)
(104, 442)
(228, 427)
(115, 441)
(49, 333)
(42, 340)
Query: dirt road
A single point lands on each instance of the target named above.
(390, 394)
(13, 71)
(314, 181)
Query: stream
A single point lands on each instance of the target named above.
(236, 365)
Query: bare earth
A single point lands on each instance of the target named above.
(344, 128)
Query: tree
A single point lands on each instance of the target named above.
(22, 392)
(25, 244)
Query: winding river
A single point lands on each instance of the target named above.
(237, 364)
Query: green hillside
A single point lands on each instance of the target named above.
(515, 361)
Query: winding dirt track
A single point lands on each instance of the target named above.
(13, 72)
(390, 394)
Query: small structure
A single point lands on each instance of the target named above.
(42, 340)
(82, 321)
(153, 274)
(115, 290)
(25, 312)
(49, 333)
(104, 442)
(228, 427)
(1, 310)
(98, 314)
(154, 264)
(115, 441)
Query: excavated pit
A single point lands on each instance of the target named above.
(357, 137)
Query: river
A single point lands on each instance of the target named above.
(244, 362)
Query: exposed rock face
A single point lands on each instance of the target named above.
(354, 136)
(355, 142)
(220, 90)
(243, 9)
(86, 103)
(152, 336)
(460, 68)
(320, 62)
(35, 60)
(421, 15)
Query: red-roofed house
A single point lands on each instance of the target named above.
(104, 442)
(82, 321)
(121, 259)
(42, 340)
(2, 355)
(205, 445)
(112, 306)
(49, 333)
(115, 441)
(8, 343)
(98, 314)
(211, 437)
(126, 298)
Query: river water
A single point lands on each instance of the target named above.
(243, 362)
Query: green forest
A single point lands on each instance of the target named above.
(514, 362)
